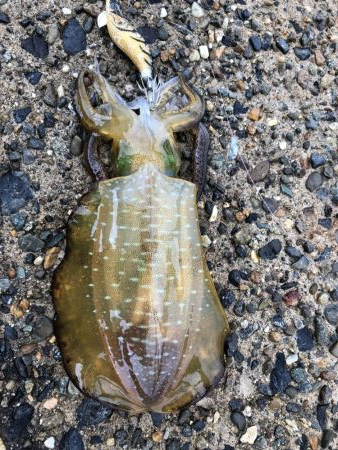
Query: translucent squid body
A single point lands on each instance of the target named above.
(139, 322)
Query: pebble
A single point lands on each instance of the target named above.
(271, 250)
(204, 51)
(30, 243)
(66, 11)
(305, 339)
(259, 172)
(49, 442)
(51, 403)
(71, 440)
(331, 313)
(334, 349)
(302, 53)
(74, 38)
(302, 263)
(280, 376)
(92, 412)
(194, 56)
(282, 45)
(33, 77)
(42, 328)
(53, 33)
(15, 193)
(150, 34)
(21, 114)
(4, 18)
(269, 205)
(314, 181)
(196, 10)
(317, 160)
(234, 148)
(36, 46)
(254, 114)
(250, 436)
(239, 420)
(163, 13)
(76, 146)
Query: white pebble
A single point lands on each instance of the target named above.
(283, 145)
(60, 91)
(250, 436)
(66, 11)
(291, 359)
(194, 56)
(214, 214)
(50, 442)
(38, 261)
(234, 148)
(65, 68)
(197, 10)
(206, 241)
(163, 13)
(204, 51)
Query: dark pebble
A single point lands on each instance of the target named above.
(321, 416)
(317, 160)
(327, 438)
(331, 313)
(35, 144)
(18, 221)
(49, 120)
(325, 223)
(280, 376)
(314, 181)
(227, 298)
(173, 444)
(325, 394)
(293, 252)
(4, 18)
(21, 114)
(282, 45)
(30, 243)
(238, 419)
(222, 229)
(74, 38)
(71, 440)
(163, 34)
(270, 250)
(259, 172)
(157, 419)
(305, 339)
(236, 404)
(22, 416)
(256, 43)
(42, 328)
(88, 24)
(231, 344)
(299, 375)
(239, 108)
(36, 46)
(92, 412)
(121, 437)
(149, 34)
(270, 205)
(198, 425)
(33, 77)
(15, 193)
(302, 53)
(234, 277)
(27, 157)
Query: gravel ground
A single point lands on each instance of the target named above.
(268, 71)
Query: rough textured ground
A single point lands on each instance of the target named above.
(269, 79)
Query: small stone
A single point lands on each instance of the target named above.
(334, 349)
(50, 97)
(331, 313)
(51, 257)
(74, 38)
(4, 18)
(317, 160)
(157, 436)
(302, 53)
(282, 45)
(270, 205)
(76, 147)
(235, 277)
(33, 77)
(314, 181)
(305, 339)
(163, 13)
(49, 442)
(302, 263)
(36, 46)
(280, 376)
(53, 33)
(291, 298)
(21, 114)
(66, 11)
(30, 243)
(256, 43)
(92, 412)
(71, 440)
(250, 436)
(51, 403)
(35, 143)
(254, 114)
(4, 284)
(259, 172)
(88, 24)
(270, 250)
(194, 55)
(150, 34)
(239, 420)
(204, 51)
(42, 328)
(196, 10)
(319, 57)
